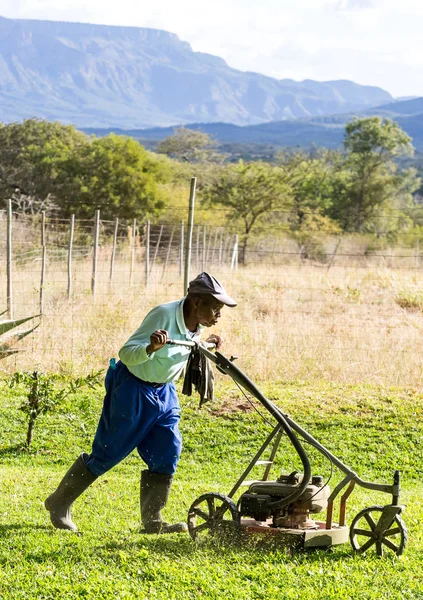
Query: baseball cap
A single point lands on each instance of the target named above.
(207, 284)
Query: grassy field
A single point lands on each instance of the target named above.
(373, 429)
(347, 324)
(338, 346)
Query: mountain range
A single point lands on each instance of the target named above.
(130, 77)
(327, 131)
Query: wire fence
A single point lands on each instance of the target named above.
(331, 307)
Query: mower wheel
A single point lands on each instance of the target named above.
(365, 532)
(212, 514)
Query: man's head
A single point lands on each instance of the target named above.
(207, 298)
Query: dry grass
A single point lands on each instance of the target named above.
(346, 323)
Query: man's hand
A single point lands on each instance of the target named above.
(215, 339)
(157, 340)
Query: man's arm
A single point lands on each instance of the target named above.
(147, 339)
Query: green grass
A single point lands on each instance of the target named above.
(373, 430)
(410, 299)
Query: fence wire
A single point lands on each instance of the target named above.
(321, 306)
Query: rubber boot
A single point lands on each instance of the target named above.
(73, 484)
(155, 488)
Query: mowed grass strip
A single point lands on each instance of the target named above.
(373, 430)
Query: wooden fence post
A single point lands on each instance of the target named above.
(209, 246)
(181, 251)
(221, 247)
(70, 246)
(95, 252)
(197, 248)
(204, 247)
(334, 254)
(189, 234)
(169, 248)
(147, 252)
(157, 248)
(132, 268)
(214, 245)
(9, 260)
(234, 261)
(227, 249)
(112, 258)
(43, 260)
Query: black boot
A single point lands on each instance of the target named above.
(76, 481)
(155, 488)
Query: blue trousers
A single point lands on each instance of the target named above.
(136, 415)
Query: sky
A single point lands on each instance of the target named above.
(371, 42)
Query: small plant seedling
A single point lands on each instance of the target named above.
(46, 392)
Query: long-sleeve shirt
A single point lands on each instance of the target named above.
(168, 363)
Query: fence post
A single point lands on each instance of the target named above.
(95, 252)
(189, 234)
(169, 248)
(112, 259)
(334, 254)
(209, 246)
(147, 252)
(43, 260)
(234, 261)
(157, 248)
(227, 249)
(9, 260)
(134, 234)
(197, 248)
(204, 247)
(221, 247)
(214, 245)
(181, 251)
(70, 246)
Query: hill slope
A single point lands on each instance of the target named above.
(103, 76)
(327, 131)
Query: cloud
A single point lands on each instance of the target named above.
(354, 4)
(370, 41)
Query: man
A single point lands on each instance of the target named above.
(141, 408)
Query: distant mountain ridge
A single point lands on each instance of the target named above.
(129, 77)
(327, 131)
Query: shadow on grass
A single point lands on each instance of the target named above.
(174, 545)
(16, 450)
(178, 546)
(183, 546)
(6, 528)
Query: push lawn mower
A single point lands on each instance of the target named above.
(282, 508)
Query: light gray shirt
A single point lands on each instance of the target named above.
(168, 363)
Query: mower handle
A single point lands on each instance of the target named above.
(204, 347)
(226, 366)
(187, 343)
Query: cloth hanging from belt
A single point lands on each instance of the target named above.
(199, 373)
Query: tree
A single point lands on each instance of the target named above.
(33, 156)
(371, 183)
(249, 191)
(116, 175)
(49, 166)
(190, 146)
(310, 177)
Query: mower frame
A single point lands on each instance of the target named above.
(376, 534)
